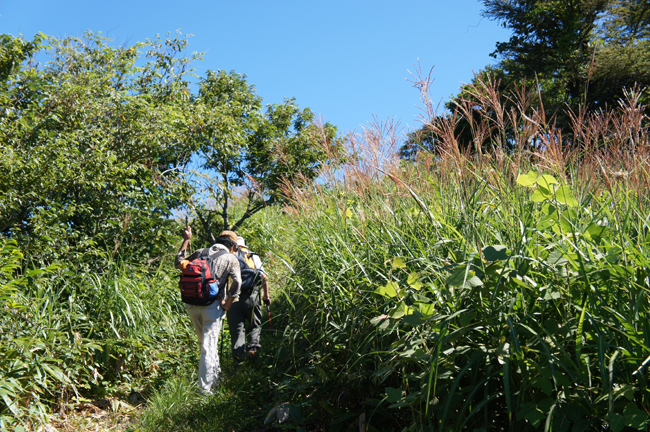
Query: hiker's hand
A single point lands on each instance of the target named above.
(187, 233)
(266, 300)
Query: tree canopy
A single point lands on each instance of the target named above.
(571, 54)
(96, 144)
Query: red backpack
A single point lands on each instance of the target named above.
(197, 283)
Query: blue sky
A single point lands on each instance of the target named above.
(346, 60)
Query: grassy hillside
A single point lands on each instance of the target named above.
(506, 290)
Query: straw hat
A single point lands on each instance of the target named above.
(230, 234)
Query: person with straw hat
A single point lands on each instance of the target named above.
(207, 320)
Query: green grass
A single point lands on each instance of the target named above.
(241, 402)
(73, 334)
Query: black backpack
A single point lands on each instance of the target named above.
(250, 277)
(197, 283)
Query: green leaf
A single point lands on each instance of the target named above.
(401, 310)
(556, 258)
(426, 309)
(563, 195)
(467, 318)
(539, 196)
(393, 394)
(525, 180)
(544, 384)
(388, 290)
(413, 281)
(473, 282)
(635, 418)
(535, 417)
(413, 320)
(495, 253)
(457, 277)
(616, 422)
(379, 319)
(398, 262)
(596, 232)
(547, 181)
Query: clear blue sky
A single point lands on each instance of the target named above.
(346, 60)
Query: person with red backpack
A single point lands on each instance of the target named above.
(210, 281)
(247, 309)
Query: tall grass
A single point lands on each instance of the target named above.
(72, 333)
(504, 290)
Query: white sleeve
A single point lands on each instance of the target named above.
(258, 262)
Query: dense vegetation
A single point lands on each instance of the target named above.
(496, 279)
(507, 291)
(96, 149)
(502, 291)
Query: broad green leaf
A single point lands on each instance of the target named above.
(401, 310)
(544, 384)
(425, 308)
(458, 276)
(535, 417)
(539, 196)
(495, 253)
(388, 290)
(616, 422)
(393, 394)
(348, 213)
(635, 418)
(596, 232)
(565, 225)
(563, 195)
(545, 223)
(473, 282)
(525, 180)
(413, 320)
(413, 281)
(398, 262)
(467, 318)
(556, 258)
(379, 319)
(547, 181)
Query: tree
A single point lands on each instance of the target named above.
(252, 150)
(90, 144)
(570, 53)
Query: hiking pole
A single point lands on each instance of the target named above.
(268, 310)
(187, 223)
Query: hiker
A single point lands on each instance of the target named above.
(207, 319)
(247, 309)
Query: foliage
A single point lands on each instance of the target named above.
(90, 144)
(84, 334)
(507, 291)
(251, 148)
(572, 55)
(241, 403)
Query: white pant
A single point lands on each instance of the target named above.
(207, 324)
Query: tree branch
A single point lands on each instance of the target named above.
(251, 210)
(206, 226)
